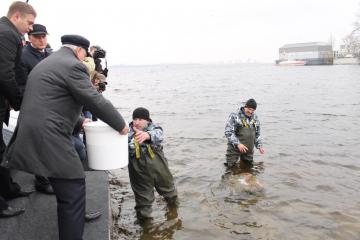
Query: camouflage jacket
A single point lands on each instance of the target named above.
(235, 120)
(156, 137)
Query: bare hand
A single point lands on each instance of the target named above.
(86, 120)
(125, 130)
(242, 148)
(262, 150)
(140, 136)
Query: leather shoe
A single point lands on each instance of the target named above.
(20, 194)
(11, 212)
(44, 188)
(90, 216)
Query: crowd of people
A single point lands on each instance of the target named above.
(51, 89)
(57, 92)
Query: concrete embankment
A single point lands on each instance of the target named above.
(40, 218)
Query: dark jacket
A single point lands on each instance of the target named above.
(56, 90)
(29, 59)
(10, 53)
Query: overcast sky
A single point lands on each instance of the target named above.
(195, 31)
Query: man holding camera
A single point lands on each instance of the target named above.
(99, 81)
(97, 53)
(97, 74)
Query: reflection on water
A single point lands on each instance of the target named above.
(310, 173)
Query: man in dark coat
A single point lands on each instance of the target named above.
(56, 90)
(35, 51)
(19, 20)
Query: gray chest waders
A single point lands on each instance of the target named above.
(246, 135)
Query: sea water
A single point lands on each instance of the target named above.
(310, 124)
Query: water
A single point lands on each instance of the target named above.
(310, 125)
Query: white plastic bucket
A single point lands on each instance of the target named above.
(106, 148)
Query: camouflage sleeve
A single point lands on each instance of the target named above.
(131, 133)
(258, 139)
(156, 134)
(230, 130)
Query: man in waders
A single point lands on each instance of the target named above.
(243, 133)
(148, 167)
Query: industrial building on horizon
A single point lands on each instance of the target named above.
(311, 53)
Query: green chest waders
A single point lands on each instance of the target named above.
(148, 169)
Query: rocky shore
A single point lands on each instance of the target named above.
(117, 194)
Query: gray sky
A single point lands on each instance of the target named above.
(194, 31)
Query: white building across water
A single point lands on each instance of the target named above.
(312, 53)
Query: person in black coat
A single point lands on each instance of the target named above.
(19, 20)
(35, 51)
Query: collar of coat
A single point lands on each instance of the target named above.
(38, 53)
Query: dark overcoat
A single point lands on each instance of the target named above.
(30, 57)
(10, 53)
(56, 90)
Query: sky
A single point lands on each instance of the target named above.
(137, 32)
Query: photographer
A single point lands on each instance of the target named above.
(97, 73)
(99, 81)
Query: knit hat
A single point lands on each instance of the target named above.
(251, 103)
(141, 113)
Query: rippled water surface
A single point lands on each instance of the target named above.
(310, 119)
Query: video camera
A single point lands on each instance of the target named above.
(102, 86)
(97, 55)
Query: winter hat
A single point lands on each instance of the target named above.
(251, 103)
(76, 40)
(38, 29)
(141, 113)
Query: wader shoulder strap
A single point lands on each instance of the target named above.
(243, 121)
(138, 152)
(151, 152)
(252, 122)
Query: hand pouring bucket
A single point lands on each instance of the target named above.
(106, 148)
